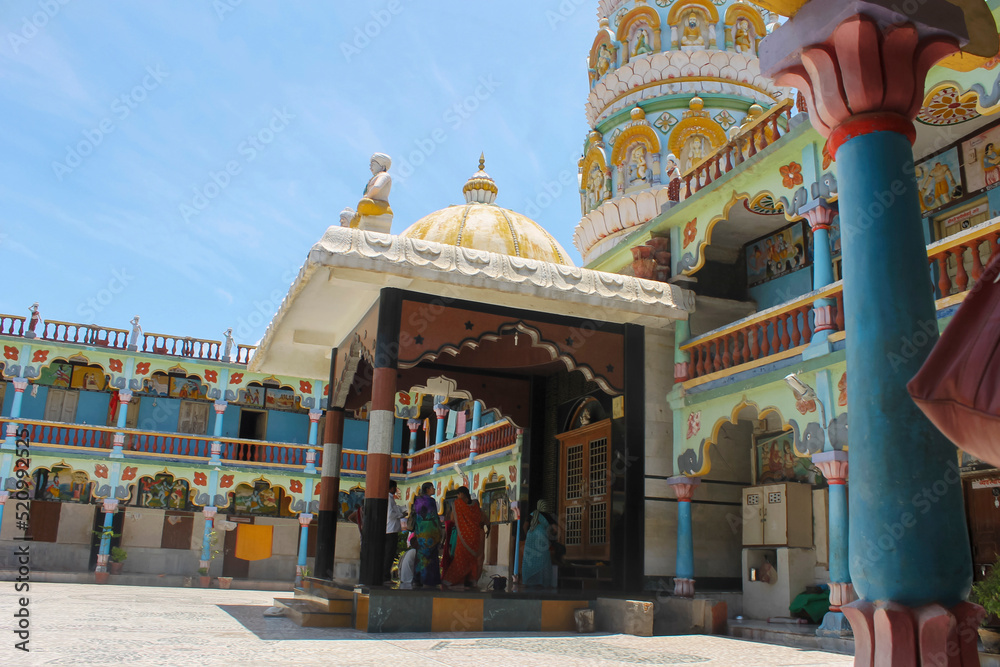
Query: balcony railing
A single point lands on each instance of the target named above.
(11, 325)
(762, 335)
(757, 135)
(98, 336)
(85, 334)
(958, 261)
(158, 444)
(489, 438)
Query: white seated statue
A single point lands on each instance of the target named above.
(374, 213)
(346, 216)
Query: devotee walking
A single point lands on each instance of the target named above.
(426, 525)
(536, 568)
(467, 562)
(392, 528)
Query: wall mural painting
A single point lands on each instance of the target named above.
(496, 501)
(89, 378)
(162, 491)
(774, 460)
(281, 399)
(56, 375)
(777, 255)
(981, 156)
(253, 396)
(62, 484)
(939, 179)
(189, 387)
(258, 499)
(350, 501)
(156, 385)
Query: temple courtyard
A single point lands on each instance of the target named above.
(83, 624)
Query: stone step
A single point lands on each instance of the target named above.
(316, 597)
(798, 636)
(310, 615)
(331, 590)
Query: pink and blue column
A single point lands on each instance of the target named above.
(684, 488)
(862, 66)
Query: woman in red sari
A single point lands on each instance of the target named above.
(467, 561)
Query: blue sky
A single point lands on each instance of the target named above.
(176, 160)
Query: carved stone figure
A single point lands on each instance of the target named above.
(692, 32)
(642, 43)
(672, 169)
(826, 188)
(596, 190)
(605, 60)
(346, 216)
(637, 170)
(741, 38)
(33, 321)
(133, 338)
(373, 212)
(229, 344)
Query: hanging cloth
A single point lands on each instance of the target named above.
(253, 542)
(958, 387)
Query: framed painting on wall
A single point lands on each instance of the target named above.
(939, 180)
(56, 375)
(188, 387)
(776, 255)
(252, 396)
(281, 399)
(89, 378)
(156, 385)
(775, 460)
(981, 156)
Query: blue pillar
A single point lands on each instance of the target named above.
(414, 426)
(9, 444)
(477, 415)
(124, 398)
(684, 488)
(905, 484)
(314, 416)
(305, 518)
(441, 412)
(110, 508)
(210, 511)
(220, 414)
(834, 466)
(820, 215)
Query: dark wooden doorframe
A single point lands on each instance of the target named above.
(231, 565)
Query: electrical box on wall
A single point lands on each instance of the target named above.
(778, 515)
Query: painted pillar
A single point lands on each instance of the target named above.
(682, 360)
(414, 426)
(380, 427)
(684, 487)
(329, 492)
(304, 520)
(109, 507)
(834, 466)
(220, 413)
(820, 215)
(209, 513)
(905, 484)
(124, 397)
(477, 415)
(441, 411)
(314, 416)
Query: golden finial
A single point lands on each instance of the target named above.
(482, 161)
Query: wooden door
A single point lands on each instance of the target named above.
(984, 523)
(585, 492)
(231, 565)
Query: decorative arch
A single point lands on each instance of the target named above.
(164, 490)
(691, 127)
(603, 55)
(677, 11)
(737, 198)
(595, 193)
(630, 26)
(595, 412)
(60, 482)
(639, 133)
(750, 14)
(699, 464)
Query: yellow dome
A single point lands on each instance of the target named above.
(482, 225)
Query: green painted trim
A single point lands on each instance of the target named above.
(775, 376)
(679, 101)
(620, 256)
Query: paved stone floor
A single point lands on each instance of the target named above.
(84, 624)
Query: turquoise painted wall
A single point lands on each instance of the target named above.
(355, 434)
(778, 291)
(31, 408)
(287, 427)
(92, 408)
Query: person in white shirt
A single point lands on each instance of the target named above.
(392, 528)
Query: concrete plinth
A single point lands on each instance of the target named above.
(627, 617)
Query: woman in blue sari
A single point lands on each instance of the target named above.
(536, 568)
(426, 525)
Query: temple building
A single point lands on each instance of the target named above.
(681, 400)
